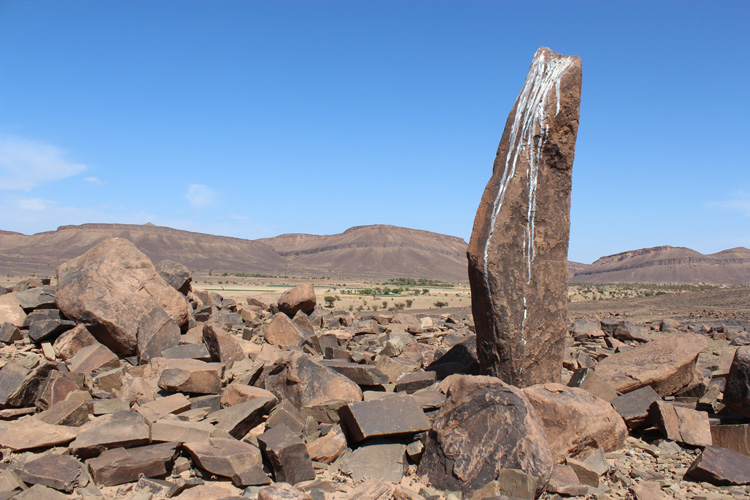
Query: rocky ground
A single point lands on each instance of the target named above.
(123, 380)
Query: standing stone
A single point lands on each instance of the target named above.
(737, 389)
(156, 333)
(519, 245)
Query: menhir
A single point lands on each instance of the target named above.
(519, 245)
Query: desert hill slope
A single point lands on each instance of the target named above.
(666, 264)
(368, 251)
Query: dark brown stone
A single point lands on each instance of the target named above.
(111, 287)
(41, 331)
(69, 343)
(56, 388)
(720, 466)
(737, 388)
(518, 249)
(376, 461)
(175, 274)
(485, 425)
(9, 333)
(19, 385)
(122, 465)
(192, 376)
(93, 357)
(414, 381)
(633, 406)
(121, 429)
(237, 420)
(299, 298)
(390, 416)
(71, 412)
(734, 437)
(666, 364)
(287, 454)
(223, 456)
(223, 346)
(360, 374)
(681, 425)
(156, 333)
(61, 472)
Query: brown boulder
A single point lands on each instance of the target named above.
(737, 389)
(11, 310)
(69, 343)
(576, 421)
(223, 346)
(282, 332)
(484, 426)
(111, 287)
(666, 364)
(299, 298)
(518, 249)
(304, 382)
(156, 333)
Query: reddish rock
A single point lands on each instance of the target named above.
(575, 421)
(93, 357)
(179, 431)
(485, 425)
(61, 472)
(122, 465)
(11, 310)
(720, 466)
(192, 376)
(681, 425)
(223, 456)
(391, 416)
(518, 249)
(734, 437)
(20, 383)
(237, 420)
(282, 332)
(306, 383)
(360, 374)
(283, 491)
(120, 429)
(111, 287)
(71, 412)
(31, 433)
(737, 388)
(223, 346)
(9, 333)
(666, 364)
(376, 461)
(634, 406)
(287, 454)
(161, 407)
(239, 393)
(175, 274)
(69, 343)
(156, 333)
(299, 298)
(328, 448)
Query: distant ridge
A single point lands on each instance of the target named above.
(368, 252)
(667, 264)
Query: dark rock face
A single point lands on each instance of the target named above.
(518, 248)
(484, 426)
(737, 390)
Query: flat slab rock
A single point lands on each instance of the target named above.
(666, 364)
(120, 429)
(721, 466)
(61, 472)
(390, 416)
(224, 456)
(377, 461)
(121, 465)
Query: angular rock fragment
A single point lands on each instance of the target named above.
(287, 454)
(31, 434)
(69, 343)
(485, 425)
(223, 346)
(41, 331)
(306, 383)
(586, 378)
(11, 310)
(20, 383)
(328, 448)
(390, 416)
(61, 472)
(175, 274)
(192, 376)
(91, 358)
(720, 466)
(57, 387)
(360, 374)
(111, 287)
(734, 437)
(518, 248)
(633, 406)
(376, 461)
(414, 381)
(120, 429)
(178, 431)
(160, 407)
(510, 483)
(299, 298)
(575, 421)
(239, 393)
(71, 412)
(9, 333)
(282, 332)
(681, 425)
(223, 456)
(122, 465)
(282, 491)
(188, 351)
(237, 420)
(156, 333)
(737, 388)
(666, 364)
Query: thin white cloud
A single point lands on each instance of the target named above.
(25, 164)
(239, 217)
(739, 201)
(34, 204)
(93, 180)
(200, 196)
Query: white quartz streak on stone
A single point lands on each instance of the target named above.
(527, 136)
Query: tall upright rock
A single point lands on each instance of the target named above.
(519, 244)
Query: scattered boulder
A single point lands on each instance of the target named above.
(120, 465)
(484, 426)
(282, 332)
(110, 288)
(575, 421)
(60, 472)
(666, 364)
(376, 461)
(287, 454)
(175, 274)
(720, 466)
(393, 416)
(299, 298)
(737, 388)
(156, 333)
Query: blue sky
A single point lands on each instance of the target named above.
(253, 119)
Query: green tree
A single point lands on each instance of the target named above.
(440, 304)
(330, 299)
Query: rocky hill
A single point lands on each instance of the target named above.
(365, 251)
(666, 264)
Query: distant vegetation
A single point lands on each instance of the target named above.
(418, 282)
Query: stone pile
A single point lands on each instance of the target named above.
(195, 396)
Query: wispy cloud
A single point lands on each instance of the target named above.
(93, 180)
(239, 217)
(25, 164)
(739, 201)
(200, 196)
